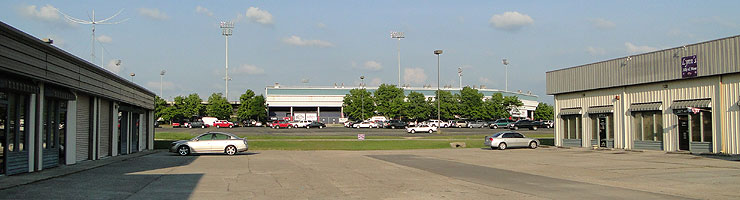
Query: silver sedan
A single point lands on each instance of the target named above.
(211, 142)
(503, 140)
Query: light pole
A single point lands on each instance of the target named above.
(506, 65)
(132, 77)
(161, 77)
(398, 35)
(439, 120)
(459, 73)
(362, 97)
(226, 30)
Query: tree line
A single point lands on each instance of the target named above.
(390, 101)
(191, 106)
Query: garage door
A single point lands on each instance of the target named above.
(105, 129)
(83, 128)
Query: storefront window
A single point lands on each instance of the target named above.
(658, 126)
(572, 128)
(648, 126)
(695, 127)
(707, 122)
(11, 122)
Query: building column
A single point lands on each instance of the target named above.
(71, 138)
(318, 114)
(291, 113)
(114, 136)
(35, 148)
(341, 111)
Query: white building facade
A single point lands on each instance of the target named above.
(678, 99)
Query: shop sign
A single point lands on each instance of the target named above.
(360, 137)
(688, 66)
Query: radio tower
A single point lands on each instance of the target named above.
(91, 21)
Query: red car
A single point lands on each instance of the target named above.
(174, 124)
(281, 124)
(223, 124)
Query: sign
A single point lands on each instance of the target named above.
(688, 66)
(312, 116)
(693, 110)
(360, 137)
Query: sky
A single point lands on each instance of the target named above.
(320, 43)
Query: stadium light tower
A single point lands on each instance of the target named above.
(399, 36)
(439, 120)
(226, 30)
(506, 65)
(362, 97)
(459, 73)
(91, 21)
(161, 77)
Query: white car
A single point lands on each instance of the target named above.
(211, 142)
(365, 125)
(300, 124)
(438, 123)
(421, 128)
(503, 140)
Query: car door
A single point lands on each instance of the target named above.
(219, 142)
(520, 140)
(202, 144)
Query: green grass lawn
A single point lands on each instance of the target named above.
(359, 145)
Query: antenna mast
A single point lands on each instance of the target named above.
(91, 21)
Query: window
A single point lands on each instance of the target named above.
(572, 127)
(509, 135)
(220, 137)
(647, 126)
(517, 135)
(701, 126)
(707, 124)
(205, 137)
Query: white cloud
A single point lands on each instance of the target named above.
(203, 10)
(631, 48)
(113, 67)
(166, 85)
(297, 41)
(414, 75)
(259, 15)
(47, 13)
(510, 21)
(105, 39)
(602, 23)
(153, 13)
(372, 66)
(376, 82)
(595, 51)
(321, 25)
(249, 70)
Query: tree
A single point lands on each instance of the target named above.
(159, 107)
(245, 101)
(471, 103)
(543, 112)
(511, 102)
(416, 107)
(447, 105)
(494, 107)
(389, 101)
(219, 107)
(357, 102)
(257, 108)
(192, 106)
(176, 111)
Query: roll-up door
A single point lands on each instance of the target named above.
(105, 129)
(83, 128)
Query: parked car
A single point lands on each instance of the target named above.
(211, 142)
(175, 124)
(501, 123)
(548, 124)
(315, 125)
(281, 124)
(350, 124)
(525, 123)
(421, 128)
(365, 125)
(438, 123)
(503, 140)
(477, 124)
(223, 124)
(300, 124)
(196, 123)
(459, 123)
(394, 123)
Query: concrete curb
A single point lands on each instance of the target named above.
(32, 177)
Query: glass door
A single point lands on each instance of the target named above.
(683, 132)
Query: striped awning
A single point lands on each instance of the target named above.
(646, 107)
(699, 103)
(570, 111)
(600, 109)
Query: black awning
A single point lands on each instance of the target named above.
(58, 93)
(18, 86)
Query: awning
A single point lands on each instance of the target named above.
(646, 107)
(600, 109)
(18, 86)
(570, 111)
(58, 93)
(699, 103)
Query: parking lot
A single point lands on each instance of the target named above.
(332, 131)
(543, 173)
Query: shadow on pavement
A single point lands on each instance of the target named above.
(143, 177)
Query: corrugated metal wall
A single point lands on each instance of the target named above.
(714, 57)
(83, 128)
(731, 127)
(105, 128)
(585, 100)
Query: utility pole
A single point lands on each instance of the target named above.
(226, 30)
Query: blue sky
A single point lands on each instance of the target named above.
(327, 42)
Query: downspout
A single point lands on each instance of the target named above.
(721, 117)
(623, 121)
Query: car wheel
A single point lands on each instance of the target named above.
(393, 127)
(470, 126)
(202, 126)
(458, 126)
(230, 150)
(534, 128)
(502, 146)
(413, 131)
(218, 126)
(430, 131)
(516, 128)
(189, 126)
(274, 127)
(308, 127)
(495, 126)
(183, 150)
(320, 127)
(532, 145)
(289, 127)
(231, 126)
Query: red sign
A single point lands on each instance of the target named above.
(361, 137)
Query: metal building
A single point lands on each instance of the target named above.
(679, 99)
(57, 109)
(325, 103)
